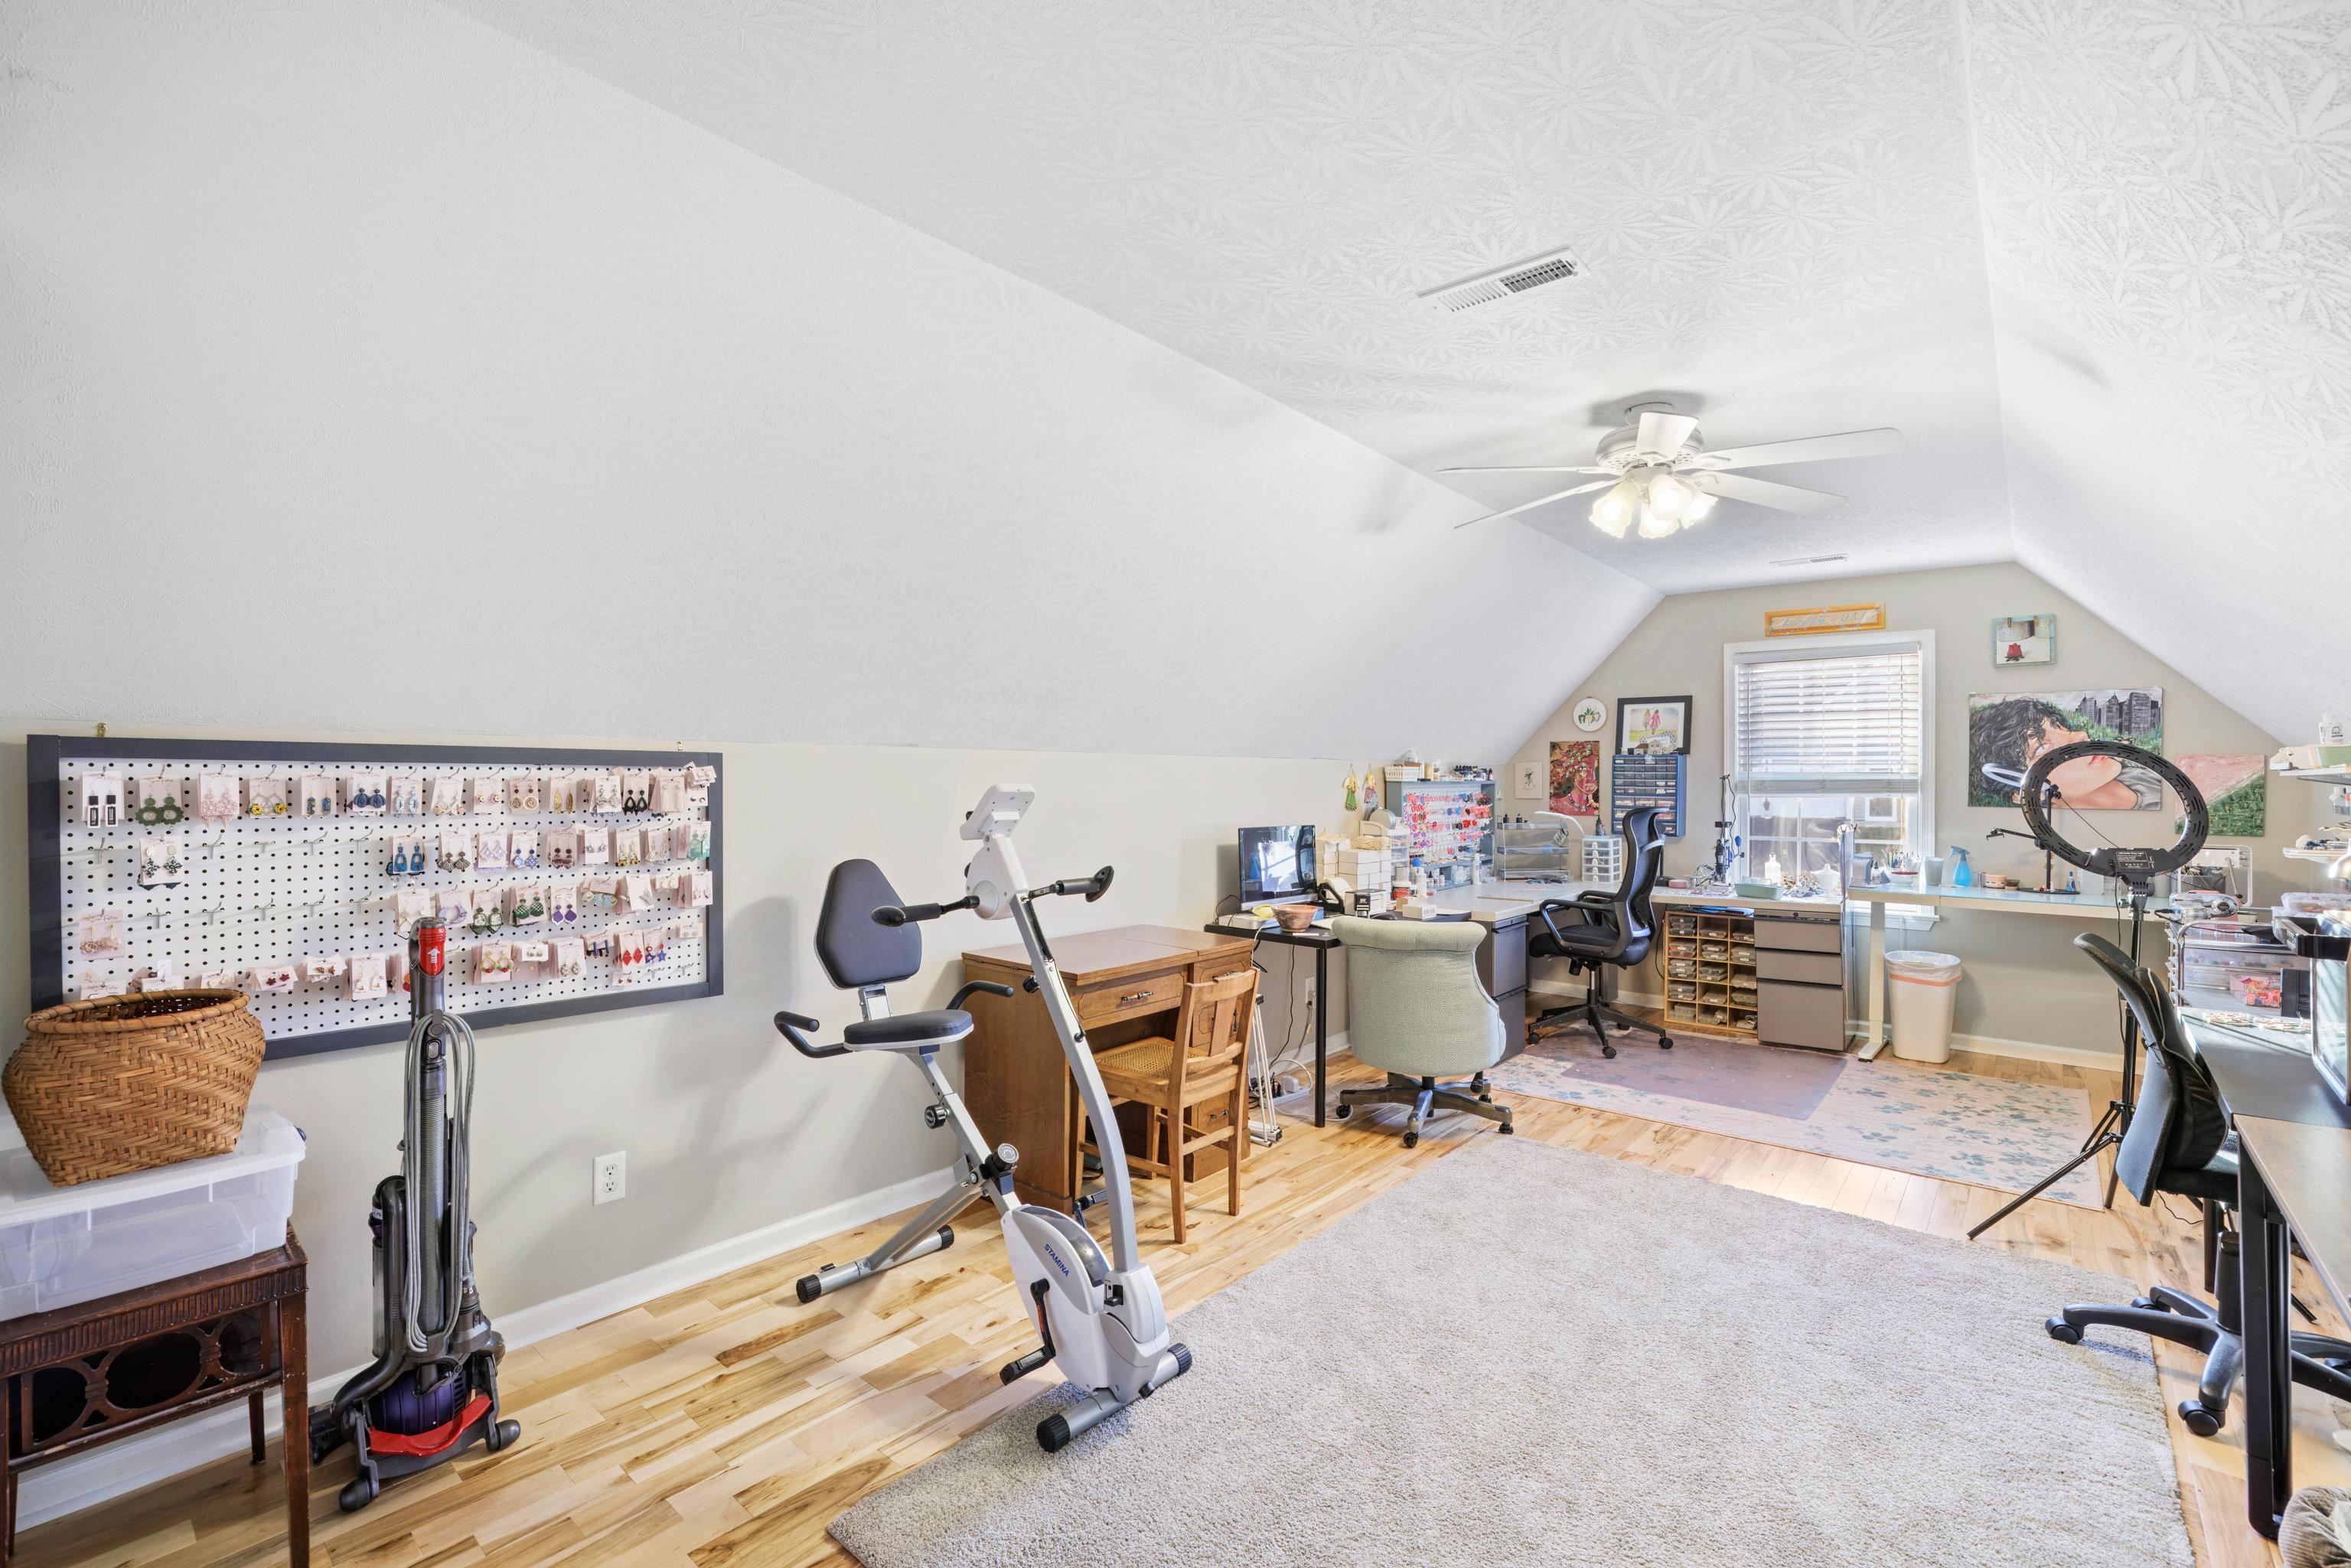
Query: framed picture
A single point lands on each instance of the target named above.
(2024, 640)
(1653, 724)
(2007, 730)
(1591, 713)
(1575, 777)
(2236, 789)
(1822, 619)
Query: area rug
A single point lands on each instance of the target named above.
(1959, 1127)
(1532, 1355)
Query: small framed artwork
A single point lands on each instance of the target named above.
(1653, 726)
(1825, 618)
(1591, 713)
(2024, 640)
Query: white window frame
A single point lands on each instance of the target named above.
(1789, 649)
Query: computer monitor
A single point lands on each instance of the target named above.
(1277, 865)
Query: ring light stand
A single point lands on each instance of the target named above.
(2136, 869)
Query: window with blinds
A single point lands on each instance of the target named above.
(1851, 722)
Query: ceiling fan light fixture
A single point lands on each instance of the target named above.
(1613, 513)
(1700, 504)
(1656, 525)
(1670, 494)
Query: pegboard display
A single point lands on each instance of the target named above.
(572, 881)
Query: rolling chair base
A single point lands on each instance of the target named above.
(2319, 1362)
(1425, 1095)
(1594, 1011)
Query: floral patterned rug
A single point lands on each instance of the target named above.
(1931, 1121)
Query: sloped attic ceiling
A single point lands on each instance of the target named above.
(368, 369)
(2090, 254)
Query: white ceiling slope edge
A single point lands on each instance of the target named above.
(2166, 187)
(368, 368)
(2094, 250)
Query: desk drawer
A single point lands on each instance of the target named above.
(1812, 968)
(1132, 996)
(1799, 936)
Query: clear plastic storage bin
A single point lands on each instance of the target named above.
(60, 1245)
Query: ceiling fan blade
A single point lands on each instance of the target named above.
(1766, 492)
(1805, 449)
(1663, 435)
(1535, 469)
(1544, 500)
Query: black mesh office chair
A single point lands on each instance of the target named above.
(1605, 931)
(2179, 1142)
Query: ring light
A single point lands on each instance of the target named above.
(2133, 865)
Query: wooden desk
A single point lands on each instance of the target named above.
(2294, 1172)
(1127, 984)
(75, 1377)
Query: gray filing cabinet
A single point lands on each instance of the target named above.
(1800, 977)
(1502, 970)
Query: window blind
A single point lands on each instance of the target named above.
(1839, 724)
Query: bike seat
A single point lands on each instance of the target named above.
(908, 1031)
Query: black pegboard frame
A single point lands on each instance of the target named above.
(49, 758)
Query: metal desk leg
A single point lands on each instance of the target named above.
(1876, 963)
(1321, 1031)
(2268, 1371)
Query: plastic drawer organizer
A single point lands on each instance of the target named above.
(59, 1246)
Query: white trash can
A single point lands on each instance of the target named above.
(1920, 987)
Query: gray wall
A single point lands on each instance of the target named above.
(2023, 982)
(726, 1129)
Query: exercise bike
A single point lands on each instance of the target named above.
(432, 1390)
(1100, 1317)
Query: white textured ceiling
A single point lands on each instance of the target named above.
(1771, 199)
(2090, 254)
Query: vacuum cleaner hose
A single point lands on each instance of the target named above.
(457, 1081)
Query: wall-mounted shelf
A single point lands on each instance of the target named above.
(2321, 857)
(2314, 775)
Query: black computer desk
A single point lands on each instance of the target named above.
(2293, 1178)
(1321, 939)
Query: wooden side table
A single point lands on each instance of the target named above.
(83, 1375)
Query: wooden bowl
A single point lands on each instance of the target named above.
(1293, 916)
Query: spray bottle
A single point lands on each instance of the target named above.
(1963, 874)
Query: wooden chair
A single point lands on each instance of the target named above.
(1213, 1025)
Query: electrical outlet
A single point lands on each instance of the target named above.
(612, 1177)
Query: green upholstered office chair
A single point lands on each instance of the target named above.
(1416, 1011)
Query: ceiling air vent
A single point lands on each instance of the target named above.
(1501, 282)
(1809, 560)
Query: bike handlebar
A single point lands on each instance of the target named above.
(1093, 886)
(791, 1024)
(913, 914)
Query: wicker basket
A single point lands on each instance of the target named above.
(127, 1083)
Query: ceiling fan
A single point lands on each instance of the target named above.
(1658, 473)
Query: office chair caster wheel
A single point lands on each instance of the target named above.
(2148, 1304)
(1343, 1111)
(1411, 1140)
(1608, 1050)
(357, 1493)
(2196, 1418)
(2063, 1332)
(1665, 1042)
(1507, 1129)
(501, 1434)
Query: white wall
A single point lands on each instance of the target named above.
(2022, 981)
(387, 373)
(728, 1130)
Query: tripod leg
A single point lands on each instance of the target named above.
(2043, 1184)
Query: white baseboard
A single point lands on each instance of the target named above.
(2108, 1059)
(72, 1485)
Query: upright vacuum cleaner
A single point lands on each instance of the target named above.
(432, 1390)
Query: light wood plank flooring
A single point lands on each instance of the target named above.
(727, 1425)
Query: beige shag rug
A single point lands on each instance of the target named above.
(1532, 1355)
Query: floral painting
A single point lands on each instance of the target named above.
(1575, 777)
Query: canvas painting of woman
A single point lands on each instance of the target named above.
(2007, 731)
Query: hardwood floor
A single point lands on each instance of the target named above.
(727, 1425)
